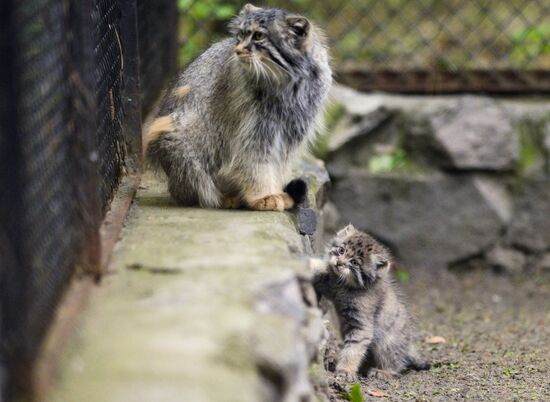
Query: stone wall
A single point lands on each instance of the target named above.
(202, 305)
(445, 181)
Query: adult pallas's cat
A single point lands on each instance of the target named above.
(238, 116)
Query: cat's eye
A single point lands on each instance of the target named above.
(354, 262)
(258, 35)
(381, 264)
(341, 251)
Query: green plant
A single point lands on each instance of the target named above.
(355, 394)
(530, 43)
(202, 23)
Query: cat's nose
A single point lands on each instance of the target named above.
(240, 50)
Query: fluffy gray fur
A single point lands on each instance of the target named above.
(254, 100)
(375, 326)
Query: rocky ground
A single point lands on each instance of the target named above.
(497, 332)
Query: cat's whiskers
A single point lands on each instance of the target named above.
(254, 63)
(266, 73)
(279, 67)
(341, 278)
(272, 75)
(231, 59)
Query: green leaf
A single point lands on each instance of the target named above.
(355, 394)
(183, 5)
(381, 163)
(225, 11)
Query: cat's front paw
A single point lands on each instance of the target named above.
(346, 376)
(274, 202)
(382, 374)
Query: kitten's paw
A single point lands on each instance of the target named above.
(231, 202)
(316, 265)
(382, 374)
(346, 376)
(274, 202)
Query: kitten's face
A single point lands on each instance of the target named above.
(269, 42)
(356, 259)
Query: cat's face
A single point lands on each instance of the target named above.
(270, 43)
(356, 259)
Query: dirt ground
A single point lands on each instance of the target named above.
(497, 332)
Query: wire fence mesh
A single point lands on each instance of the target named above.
(44, 218)
(108, 77)
(68, 111)
(410, 45)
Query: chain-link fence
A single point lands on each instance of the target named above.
(411, 45)
(69, 129)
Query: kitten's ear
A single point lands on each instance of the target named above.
(298, 24)
(247, 9)
(348, 230)
(381, 263)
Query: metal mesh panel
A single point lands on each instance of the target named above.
(108, 76)
(157, 23)
(62, 153)
(41, 225)
(411, 45)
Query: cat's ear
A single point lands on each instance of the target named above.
(298, 24)
(381, 263)
(348, 230)
(247, 9)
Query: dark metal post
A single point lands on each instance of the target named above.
(131, 97)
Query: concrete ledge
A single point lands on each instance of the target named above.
(200, 305)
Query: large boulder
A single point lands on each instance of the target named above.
(530, 226)
(467, 133)
(430, 221)
(445, 180)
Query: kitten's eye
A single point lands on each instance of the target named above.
(381, 264)
(341, 251)
(258, 35)
(354, 262)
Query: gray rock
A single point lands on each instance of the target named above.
(506, 260)
(530, 226)
(307, 221)
(430, 221)
(331, 217)
(359, 126)
(497, 194)
(468, 133)
(358, 150)
(314, 173)
(282, 357)
(544, 263)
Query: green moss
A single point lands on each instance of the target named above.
(532, 156)
(397, 161)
